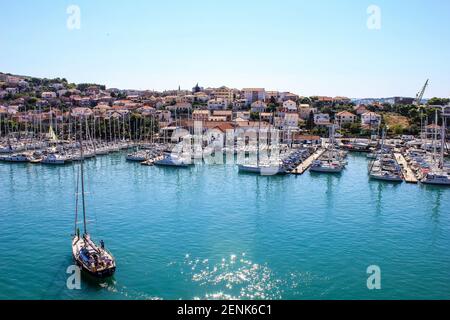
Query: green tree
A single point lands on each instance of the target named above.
(397, 129)
(355, 128)
(438, 101)
(272, 107)
(254, 116)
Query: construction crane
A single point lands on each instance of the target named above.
(420, 95)
(418, 103)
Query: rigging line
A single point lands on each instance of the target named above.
(88, 180)
(91, 165)
(76, 200)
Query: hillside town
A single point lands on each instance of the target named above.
(51, 121)
(25, 101)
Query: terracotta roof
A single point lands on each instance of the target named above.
(224, 127)
(345, 113)
(305, 137)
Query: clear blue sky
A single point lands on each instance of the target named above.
(310, 47)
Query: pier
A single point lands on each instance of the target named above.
(408, 174)
(308, 162)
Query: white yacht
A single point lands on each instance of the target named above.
(101, 151)
(173, 160)
(438, 175)
(324, 166)
(7, 149)
(139, 156)
(16, 158)
(54, 158)
(264, 170)
(385, 176)
(436, 178)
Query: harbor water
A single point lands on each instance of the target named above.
(208, 232)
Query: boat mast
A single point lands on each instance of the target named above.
(443, 136)
(257, 140)
(76, 202)
(435, 136)
(82, 180)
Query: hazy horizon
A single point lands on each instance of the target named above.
(305, 47)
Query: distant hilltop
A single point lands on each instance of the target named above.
(392, 100)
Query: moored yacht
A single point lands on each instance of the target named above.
(16, 158)
(327, 166)
(436, 178)
(332, 160)
(174, 160)
(264, 170)
(137, 156)
(54, 158)
(386, 175)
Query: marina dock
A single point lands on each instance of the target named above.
(308, 162)
(408, 174)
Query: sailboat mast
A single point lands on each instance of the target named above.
(435, 136)
(82, 180)
(444, 126)
(257, 140)
(76, 202)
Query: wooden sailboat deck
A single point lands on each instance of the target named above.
(408, 174)
(308, 162)
(151, 162)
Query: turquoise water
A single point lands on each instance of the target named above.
(209, 232)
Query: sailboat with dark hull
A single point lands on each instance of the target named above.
(92, 258)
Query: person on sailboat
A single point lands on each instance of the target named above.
(102, 244)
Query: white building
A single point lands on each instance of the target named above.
(370, 118)
(345, 117)
(217, 104)
(180, 106)
(48, 95)
(200, 115)
(13, 109)
(12, 90)
(81, 112)
(258, 106)
(254, 94)
(223, 93)
(240, 104)
(244, 115)
(288, 121)
(291, 121)
(201, 97)
(290, 106)
(322, 118)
